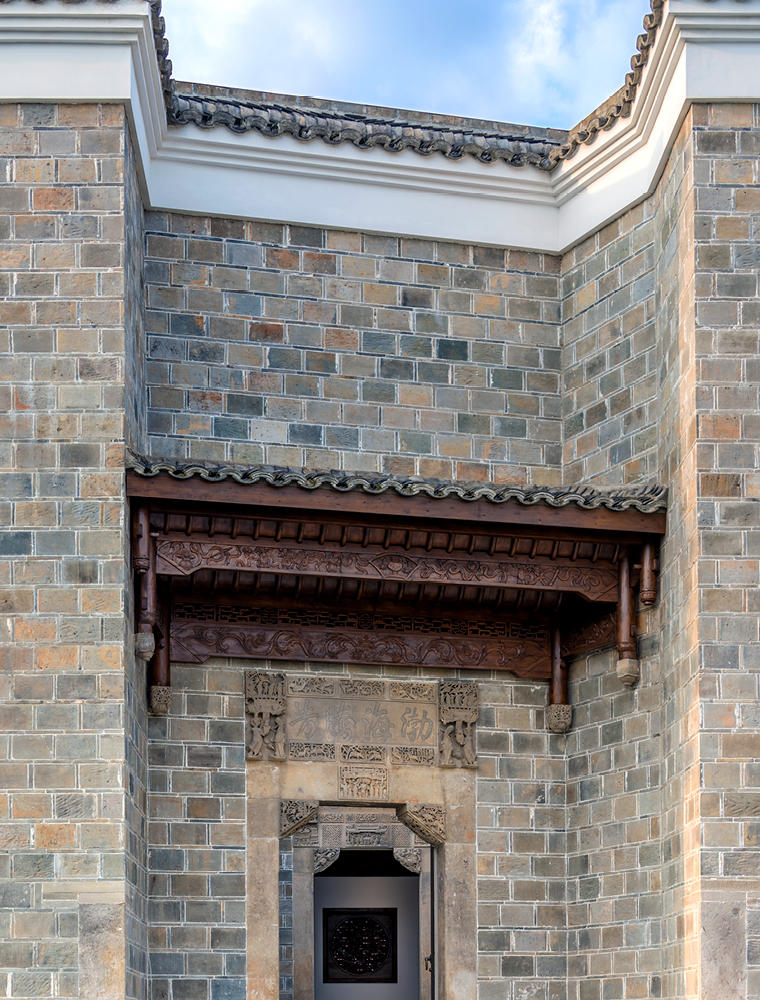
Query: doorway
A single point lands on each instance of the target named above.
(367, 929)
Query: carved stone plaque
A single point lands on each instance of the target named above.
(362, 720)
(353, 720)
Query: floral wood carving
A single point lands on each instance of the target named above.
(295, 813)
(196, 642)
(264, 715)
(324, 858)
(427, 821)
(409, 857)
(181, 557)
(458, 709)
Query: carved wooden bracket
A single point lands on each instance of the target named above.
(295, 813)
(427, 821)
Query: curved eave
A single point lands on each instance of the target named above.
(639, 511)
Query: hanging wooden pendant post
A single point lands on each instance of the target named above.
(559, 714)
(648, 585)
(144, 561)
(628, 669)
(160, 667)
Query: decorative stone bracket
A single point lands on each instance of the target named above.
(409, 857)
(295, 813)
(426, 820)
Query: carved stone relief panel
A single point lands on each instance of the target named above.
(361, 720)
(338, 827)
(324, 858)
(264, 710)
(458, 708)
(346, 720)
(409, 857)
(362, 783)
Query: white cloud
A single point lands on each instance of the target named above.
(542, 62)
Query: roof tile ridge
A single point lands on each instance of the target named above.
(647, 498)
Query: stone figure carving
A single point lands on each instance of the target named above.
(427, 821)
(295, 813)
(409, 857)
(264, 715)
(363, 783)
(458, 712)
(324, 858)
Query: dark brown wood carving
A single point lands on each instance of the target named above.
(294, 575)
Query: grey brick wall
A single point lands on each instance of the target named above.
(676, 434)
(727, 397)
(609, 357)
(62, 551)
(303, 347)
(135, 708)
(197, 839)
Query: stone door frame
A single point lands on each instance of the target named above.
(365, 827)
(445, 820)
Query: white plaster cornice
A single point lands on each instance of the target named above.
(704, 50)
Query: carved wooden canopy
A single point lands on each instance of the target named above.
(373, 575)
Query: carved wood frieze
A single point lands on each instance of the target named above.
(181, 557)
(590, 637)
(435, 583)
(200, 631)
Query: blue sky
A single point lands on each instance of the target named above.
(540, 62)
